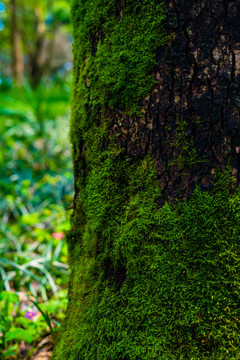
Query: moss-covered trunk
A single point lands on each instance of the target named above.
(154, 246)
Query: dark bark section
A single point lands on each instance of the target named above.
(36, 68)
(195, 101)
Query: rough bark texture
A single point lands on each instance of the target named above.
(196, 95)
(150, 278)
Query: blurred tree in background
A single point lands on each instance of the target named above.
(36, 38)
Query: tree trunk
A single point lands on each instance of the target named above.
(36, 68)
(198, 84)
(17, 56)
(154, 276)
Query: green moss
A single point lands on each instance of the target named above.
(114, 55)
(146, 283)
(151, 283)
(188, 156)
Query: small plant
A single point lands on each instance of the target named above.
(22, 323)
(46, 318)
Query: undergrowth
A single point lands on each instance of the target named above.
(34, 194)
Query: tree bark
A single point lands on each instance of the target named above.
(17, 56)
(197, 93)
(36, 68)
(150, 275)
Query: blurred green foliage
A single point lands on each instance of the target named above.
(35, 193)
(36, 173)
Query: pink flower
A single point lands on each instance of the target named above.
(58, 235)
(30, 314)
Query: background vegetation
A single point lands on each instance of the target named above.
(36, 174)
(147, 282)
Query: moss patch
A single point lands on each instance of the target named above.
(114, 54)
(188, 156)
(151, 283)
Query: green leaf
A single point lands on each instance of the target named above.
(20, 334)
(11, 351)
(19, 267)
(9, 296)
